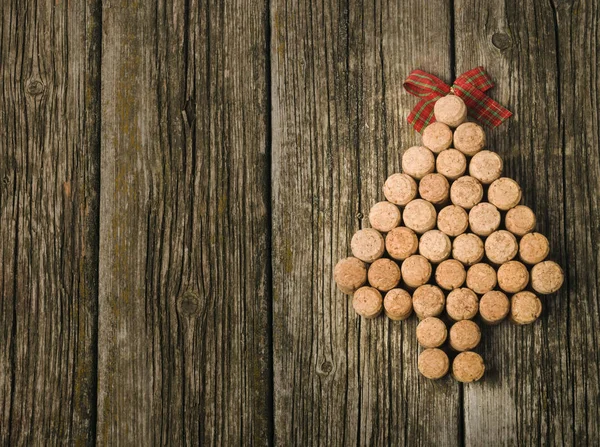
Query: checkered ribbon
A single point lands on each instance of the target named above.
(470, 86)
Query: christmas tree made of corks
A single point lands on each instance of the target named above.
(450, 242)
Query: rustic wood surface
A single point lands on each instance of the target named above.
(179, 179)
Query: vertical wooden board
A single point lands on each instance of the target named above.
(184, 267)
(49, 166)
(339, 129)
(536, 390)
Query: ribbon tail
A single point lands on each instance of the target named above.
(422, 114)
(482, 107)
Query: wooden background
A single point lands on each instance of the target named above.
(178, 178)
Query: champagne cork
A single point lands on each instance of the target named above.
(434, 188)
(484, 219)
(418, 161)
(464, 335)
(384, 274)
(513, 276)
(501, 246)
(450, 274)
(437, 137)
(450, 110)
(546, 277)
(486, 166)
(367, 302)
(428, 301)
(420, 216)
(367, 245)
(468, 249)
(466, 192)
(397, 304)
(494, 307)
(525, 308)
(533, 248)
(469, 138)
(481, 278)
(504, 193)
(400, 189)
(435, 246)
(453, 220)
(350, 274)
(451, 163)
(384, 216)
(468, 367)
(416, 271)
(431, 332)
(433, 363)
(401, 242)
(462, 304)
(520, 220)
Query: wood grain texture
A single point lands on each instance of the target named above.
(339, 129)
(49, 166)
(542, 383)
(184, 267)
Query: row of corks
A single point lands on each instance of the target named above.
(404, 247)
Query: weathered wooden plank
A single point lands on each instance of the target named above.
(184, 267)
(49, 166)
(339, 128)
(542, 387)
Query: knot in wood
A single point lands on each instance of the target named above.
(188, 304)
(502, 41)
(35, 87)
(325, 368)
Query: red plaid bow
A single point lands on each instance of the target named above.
(470, 86)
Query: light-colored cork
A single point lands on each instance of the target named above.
(420, 216)
(435, 246)
(462, 304)
(350, 274)
(547, 277)
(486, 166)
(450, 110)
(525, 308)
(501, 246)
(504, 193)
(450, 274)
(468, 367)
(401, 242)
(400, 189)
(468, 248)
(431, 332)
(367, 245)
(494, 307)
(469, 138)
(384, 274)
(433, 363)
(481, 278)
(437, 137)
(520, 220)
(533, 248)
(434, 188)
(484, 219)
(397, 304)
(513, 276)
(453, 220)
(466, 192)
(367, 302)
(418, 161)
(428, 301)
(416, 271)
(384, 216)
(451, 163)
(464, 335)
